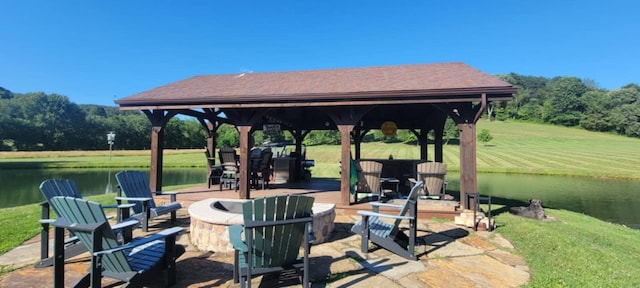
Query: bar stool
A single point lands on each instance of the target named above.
(229, 179)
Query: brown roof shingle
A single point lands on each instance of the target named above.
(421, 80)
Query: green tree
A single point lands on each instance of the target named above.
(451, 130)
(5, 94)
(597, 116)
(485, 136)
(228, 136)
(321, 137)
(563, 105)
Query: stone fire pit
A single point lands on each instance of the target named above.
(210, 219)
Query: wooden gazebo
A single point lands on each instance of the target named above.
(417, 97)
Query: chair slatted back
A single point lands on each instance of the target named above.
(265, 159)
(210, 161)
(228, 158)
(369, 173)
(277, 245)
(411, 200)
(76, 210)
(59, 187)
(135, 184)
(433, 175)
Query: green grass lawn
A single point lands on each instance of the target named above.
(517, 148)
(575, 251)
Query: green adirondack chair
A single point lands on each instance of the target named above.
(384, 229)
(274, 229)
(136, 263)
(66, 187)
(135, 186)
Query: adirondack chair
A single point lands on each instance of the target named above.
(433, 174)
(384, 229)
(136, 262)
(274, 229)
(135, 186)
(369, 173)
(66, 187)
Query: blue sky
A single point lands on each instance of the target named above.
(97, 51)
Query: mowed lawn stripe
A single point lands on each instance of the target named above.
(597, 161)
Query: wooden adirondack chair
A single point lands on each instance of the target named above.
(369, 173)
(274, 229)
(433, 174)
(136, 262)
(384, 229)
(135, 186)
(66, 187)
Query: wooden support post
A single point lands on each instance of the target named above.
(345, 157)
(157, 147)
(438, 145)
(468, 174)
(244, 192)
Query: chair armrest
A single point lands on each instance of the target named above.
(387, 205)
(173, 231)
(46, 221)
(61, 222)
(125, 224)
(166, 192)
(380, 215)
(119, 206)
(235, 238)
(135, 199)
(170, 193)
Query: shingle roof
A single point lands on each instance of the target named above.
(417, 80)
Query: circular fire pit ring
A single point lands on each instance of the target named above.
(211, 218)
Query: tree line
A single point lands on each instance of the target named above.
(572, 102)
(51, 122)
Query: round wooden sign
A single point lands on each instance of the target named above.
(389, 128)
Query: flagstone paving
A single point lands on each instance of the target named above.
(449, 256)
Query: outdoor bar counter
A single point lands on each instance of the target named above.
(401, 169)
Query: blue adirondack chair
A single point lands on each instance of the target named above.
(135, 187)
(384, 229)
(274, 229)
(66, 187)
(136, 262)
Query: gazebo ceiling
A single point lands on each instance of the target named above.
(418, 83)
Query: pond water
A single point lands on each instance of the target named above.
(20, 186)
(616, 201)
